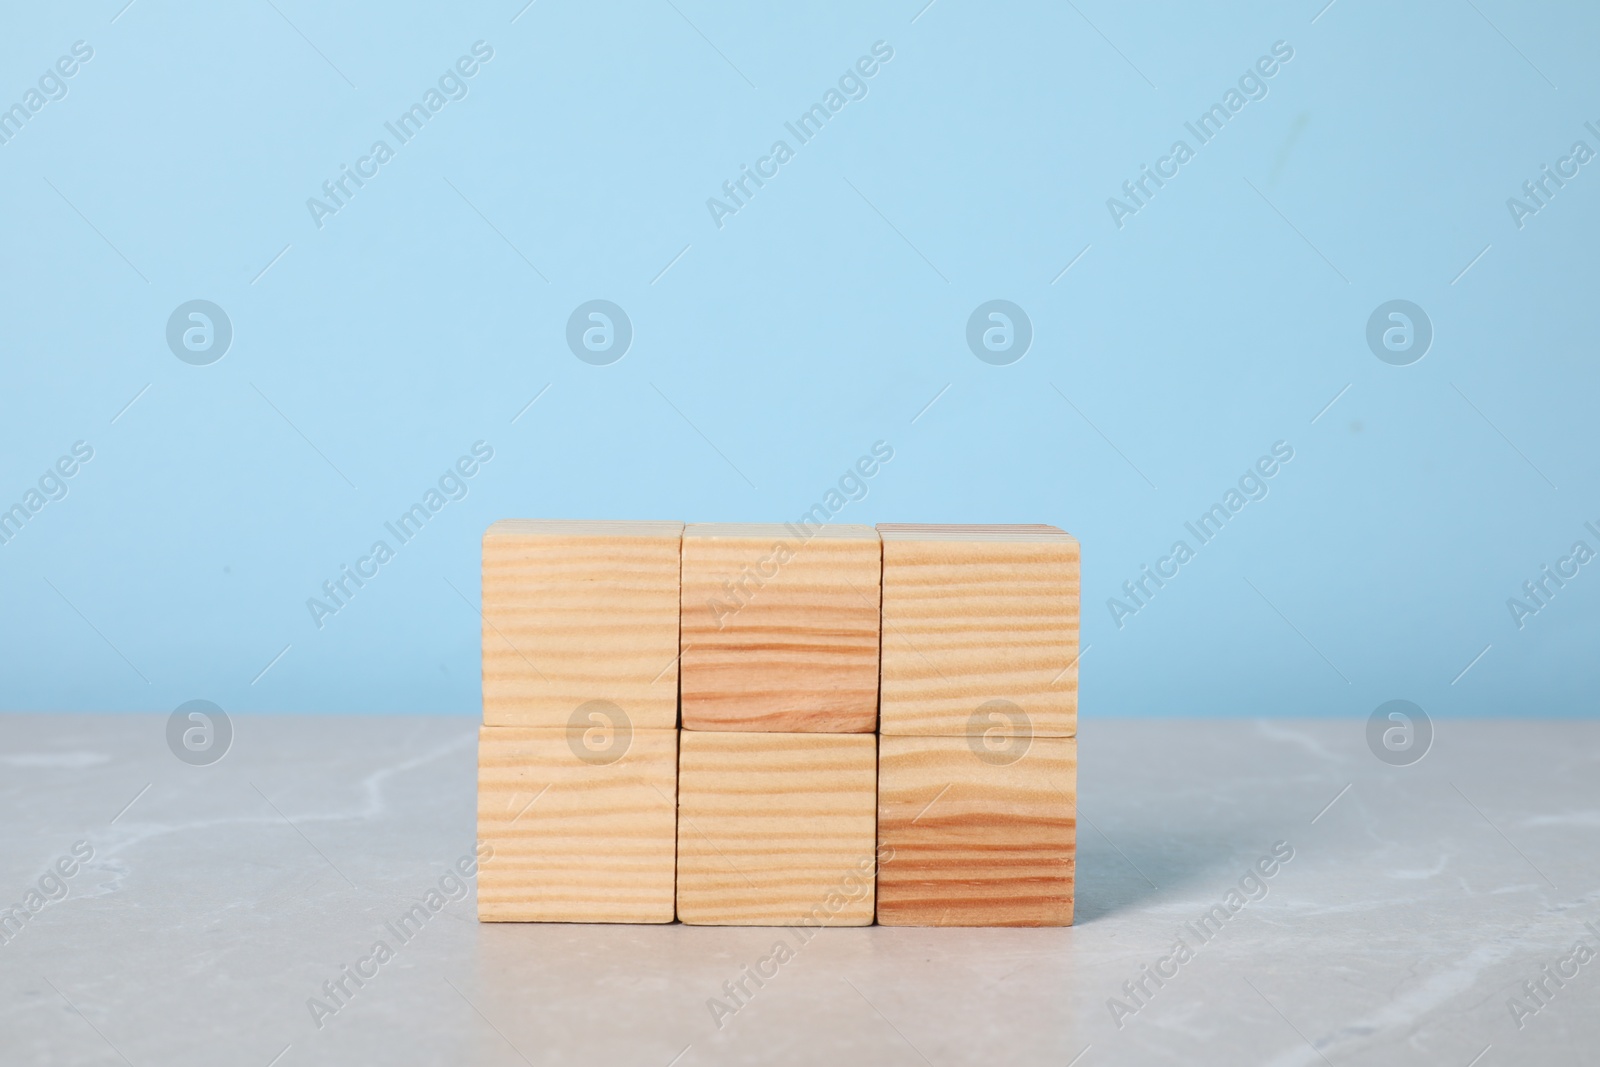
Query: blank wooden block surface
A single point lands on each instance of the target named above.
(579, 611)
(780, 631)
(583, 827)
(971, 840)
(776, 829)
(974, 615)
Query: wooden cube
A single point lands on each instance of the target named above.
(974, 615)
(577, 611)
(776, 829)
(970, 835)
(582, 824)
(780, 630)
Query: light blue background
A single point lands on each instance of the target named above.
(822, 318)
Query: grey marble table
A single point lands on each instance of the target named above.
(217, 905)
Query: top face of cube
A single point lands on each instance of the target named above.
(973, 532)
(580, 619)
(980, 630)
(780, 628)
(582, 528)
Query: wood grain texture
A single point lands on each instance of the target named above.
(776, 829)
(973, 614)
(780, 632)
(968, 842)
(575, 611)
(576, 839)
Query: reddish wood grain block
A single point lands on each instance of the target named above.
(780, 631)
(968, 839)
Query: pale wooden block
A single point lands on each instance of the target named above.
(776, 829)
(780, 629)
(579, 611)
(974, 614)
(583, 829)
(965, 840)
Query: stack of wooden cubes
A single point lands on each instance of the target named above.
(738, 724)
